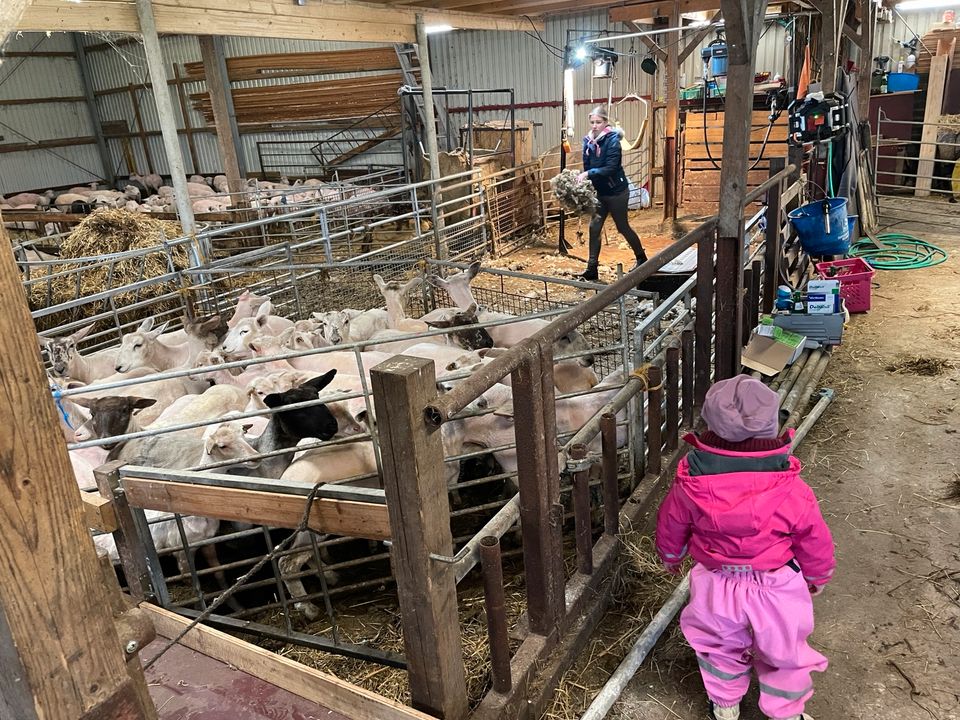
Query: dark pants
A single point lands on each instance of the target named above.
(615, 205)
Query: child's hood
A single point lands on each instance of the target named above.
(742, 502)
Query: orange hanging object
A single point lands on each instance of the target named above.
(803, 83)
(566, 146)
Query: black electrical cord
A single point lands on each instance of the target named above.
(706, 142)
(552, 49)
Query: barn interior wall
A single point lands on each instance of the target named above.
(24, 78)
(462, 59)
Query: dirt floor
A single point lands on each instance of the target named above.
(542, 256)
(884, 463)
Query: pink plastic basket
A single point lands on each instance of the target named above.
(855, 276)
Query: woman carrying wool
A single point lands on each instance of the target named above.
(602, 164)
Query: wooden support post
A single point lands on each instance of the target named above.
(672, 98)
(430, 131)
(416, 490)
(868, 17)
(106, 162)
(221, 102)
(534, 422)
(59, 650)
(744, 19)
(745, 324)
(928, 139)
(703, 322)
(771, 249)
(168, 124)
(185, 114)
(828, 46)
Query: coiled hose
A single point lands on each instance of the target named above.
(900, 252)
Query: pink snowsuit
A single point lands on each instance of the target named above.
(756, 532)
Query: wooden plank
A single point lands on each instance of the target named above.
(414, 481)
(255, 67)
(931, 115)
(60, 653)
(322, 688)
(647, 11)
(329, 20)
(339, 517)
(98, 512)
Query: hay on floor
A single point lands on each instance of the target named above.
(103, 233)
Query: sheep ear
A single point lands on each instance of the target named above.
(263, 313)
(139, 403)
(412, 284)
(81, 333)
(439, 323)
(88, 403)
(157, 331)
(247, 427)
(437, 281)
(471, 311)
(379, 281)
(319, 383)
(473, 269)
(146, 326)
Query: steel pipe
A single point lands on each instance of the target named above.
(648, 638)
(655, 421)
(581, 512)
(611, 486)
(826, 397)
(496, 608)
(672, 393)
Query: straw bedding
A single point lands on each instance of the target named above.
(102, 233)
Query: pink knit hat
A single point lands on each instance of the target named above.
(741, 408)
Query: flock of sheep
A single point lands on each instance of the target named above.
(261, 362)
(149, 194)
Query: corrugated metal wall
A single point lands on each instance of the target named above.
(37, 77)
(460, 59)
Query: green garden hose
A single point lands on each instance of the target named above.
(900, 252)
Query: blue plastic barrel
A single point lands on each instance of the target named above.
(809, 221)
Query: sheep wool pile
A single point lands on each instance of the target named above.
(578, 198)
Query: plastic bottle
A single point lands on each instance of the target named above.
(900, 66)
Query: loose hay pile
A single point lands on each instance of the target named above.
(925, 366)
(377, 624)
(641, 587)
(106, 232)
(578, 198)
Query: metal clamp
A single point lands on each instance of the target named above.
(586, 463)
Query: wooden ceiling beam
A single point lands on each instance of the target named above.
(646, 11)
(329, 20)
(524, 7)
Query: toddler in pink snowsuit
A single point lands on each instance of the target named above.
(740, 509)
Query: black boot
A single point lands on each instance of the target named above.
(589, 275)
(641, 259)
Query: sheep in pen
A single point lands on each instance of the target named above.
(267, 385)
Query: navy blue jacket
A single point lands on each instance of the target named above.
(605, 170)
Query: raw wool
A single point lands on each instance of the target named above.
(101, 233)
(579, 198)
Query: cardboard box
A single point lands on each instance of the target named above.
(771, 349)
(823, 297)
